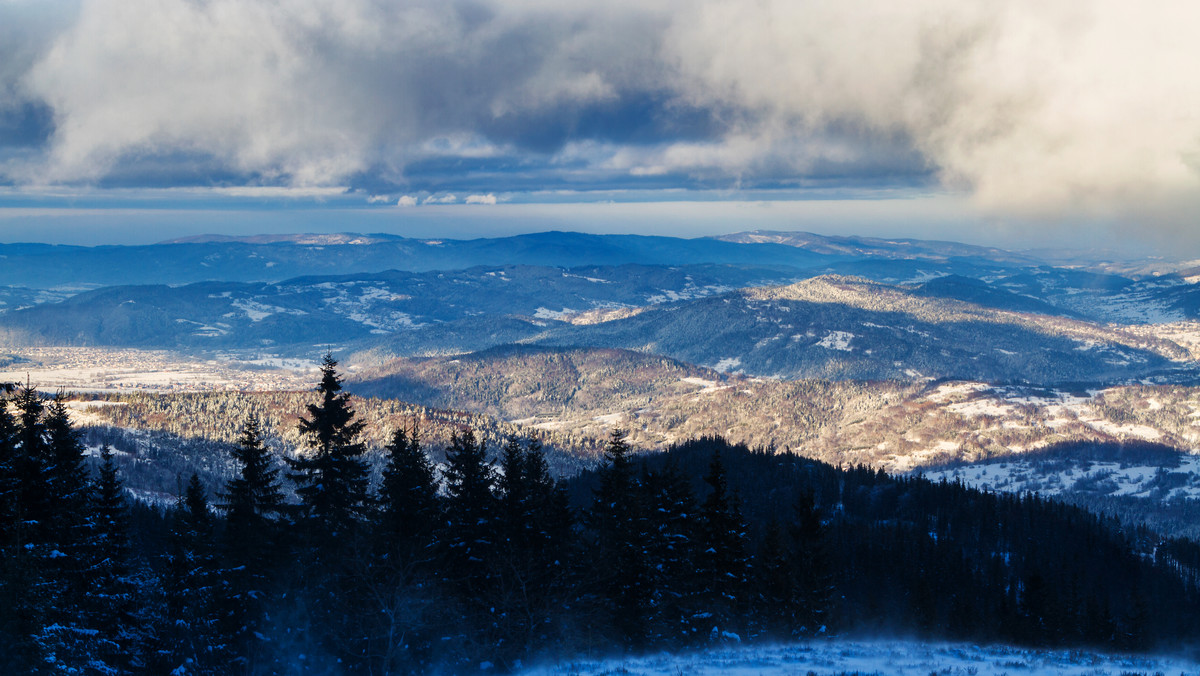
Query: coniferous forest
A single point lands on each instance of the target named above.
(309, 566)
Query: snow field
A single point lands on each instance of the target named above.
(898, 658)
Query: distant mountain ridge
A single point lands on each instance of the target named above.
(276, 257)
(879, 247)
(273, 258)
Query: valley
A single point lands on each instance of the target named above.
(882, 382)
(936, 353)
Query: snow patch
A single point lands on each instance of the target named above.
(837, 340)
(547, 313)
(726, 365)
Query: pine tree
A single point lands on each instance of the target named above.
(471, 514)
(21, 596)
(332, 484)
(39, 571)
(254, 501)
(672, 513)
(111, 604)
(67, 481)
(194, 644)
(255, 495)
(722, 563)
(66, 574)
(408, 502)
(332, 481)
(402, 596)
(535, 524)
(621, 564)
(33, 501)
(8, 477)
(811, 562)
(513, 491)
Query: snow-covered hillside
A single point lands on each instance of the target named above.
(901, 658)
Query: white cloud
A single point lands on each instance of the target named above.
(406, 201)
(440, 199)
(1032, 106)
(481, 199)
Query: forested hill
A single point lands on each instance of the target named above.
(941, 559)
(311, 566)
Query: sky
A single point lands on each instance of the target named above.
(1011, 122)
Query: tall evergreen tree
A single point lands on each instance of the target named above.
(332, 480)
(255, 494)
(112, 602)
(195, 644)
(8, 477)
(471, 514)
(67, 479)
(514, 493)
(20, 595)
(810, 560)
(534, 522)
(671, 512)
(722, 562)
(30, 462)
(470, 542)
(408, 501)
(621, 564)
(254, 501)
(402, 593)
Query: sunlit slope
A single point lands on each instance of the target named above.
(837, 327)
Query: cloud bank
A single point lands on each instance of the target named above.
(1033, 108)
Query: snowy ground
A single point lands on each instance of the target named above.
(101, 369)
(1021, 475)
(901, 658)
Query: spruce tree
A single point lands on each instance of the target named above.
(30, 463)
(722, 562)
(66, 571)
(8, 477)
(21, 596)
(535, 524)
(332, 480)
(513, 491)
(67, 479)
(403, 597)
(811, 562)
(255, 494)
(9, 488)
(671, 512)
(195, 644)
(254, 501)
(621, 565)
(408, 501)
(471, 514)
(112, 603)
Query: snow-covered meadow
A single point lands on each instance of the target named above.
(884, 657)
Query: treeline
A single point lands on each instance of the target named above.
(941, 560)
(310, 567)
